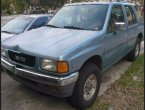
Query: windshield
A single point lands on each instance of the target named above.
(17, 25)
(86, 17)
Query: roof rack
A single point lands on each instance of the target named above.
(119, 1)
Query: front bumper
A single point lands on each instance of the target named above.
(62, 86)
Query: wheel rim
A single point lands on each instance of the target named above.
(137, 50)
(90, 87)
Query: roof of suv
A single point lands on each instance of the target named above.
(84, 3)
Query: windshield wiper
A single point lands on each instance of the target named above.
(93, 29)
(73, 27)
(7, 32)
(49, 25)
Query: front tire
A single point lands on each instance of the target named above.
(87, 87)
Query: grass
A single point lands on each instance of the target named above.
(127, 93)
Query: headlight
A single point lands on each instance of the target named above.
(55, 66)
(3, 52)
(48, 65)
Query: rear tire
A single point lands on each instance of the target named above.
(131, 56)
(87, 87)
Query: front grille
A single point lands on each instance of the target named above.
(21, 58)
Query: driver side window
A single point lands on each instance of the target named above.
(116, 16)
(39, 23)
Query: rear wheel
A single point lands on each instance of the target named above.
(87, 87)
(135, 52)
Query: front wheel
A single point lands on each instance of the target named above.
(87, 87)
(135, 52)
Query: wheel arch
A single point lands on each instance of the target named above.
(96, 59)
(140, 36)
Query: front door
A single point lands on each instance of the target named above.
(115, 39)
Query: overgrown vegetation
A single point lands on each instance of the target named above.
(11, 6)
(127, 93)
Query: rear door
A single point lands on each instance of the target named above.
(132, 27)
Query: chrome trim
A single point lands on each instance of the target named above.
(62, 81)
(7, 65)
(42, 78)
(4, 61)
(13, 51)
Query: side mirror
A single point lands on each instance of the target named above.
(120, 26)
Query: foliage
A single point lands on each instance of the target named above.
(5, 4)
(20, 5)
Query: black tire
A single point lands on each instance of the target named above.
(131, 56)
(77, 99)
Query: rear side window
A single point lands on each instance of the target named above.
(130, 15)
(139, 13)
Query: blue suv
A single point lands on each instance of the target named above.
(67, 57)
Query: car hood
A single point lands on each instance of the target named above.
(5, 36)
(47, 42)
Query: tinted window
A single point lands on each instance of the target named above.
(89, 17)
(130, 15)
(116, 16)
(17, 25)
(117, 13)
(139, 13)
(40, 22)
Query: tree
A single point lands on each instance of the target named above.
(35, 2)
(20, 5)
(5, 4)
(140, 1)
